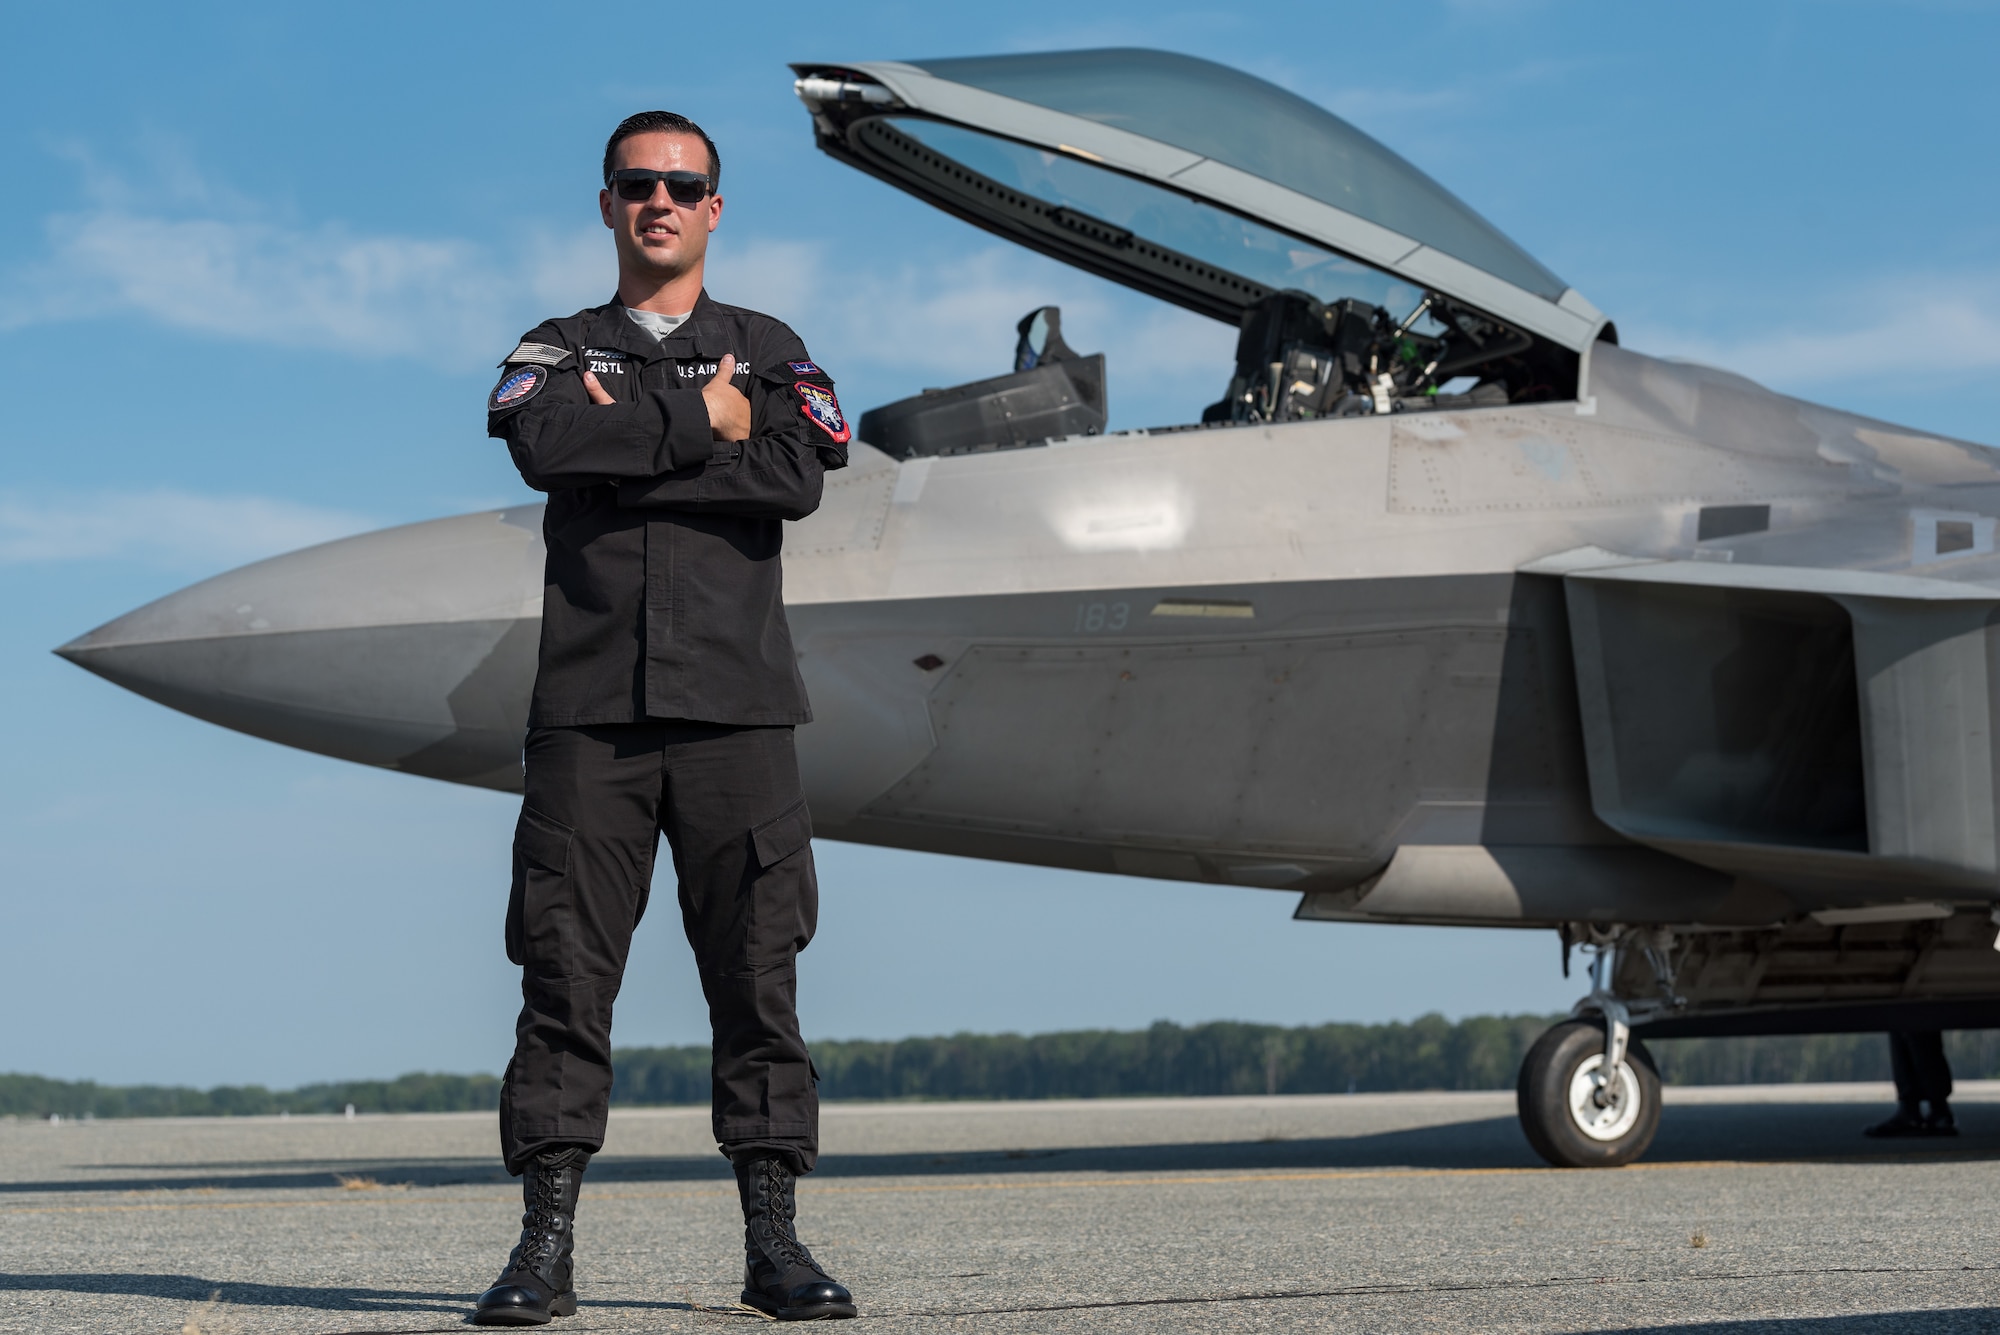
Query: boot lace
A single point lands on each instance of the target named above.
(542, 1226)
(780, 1210)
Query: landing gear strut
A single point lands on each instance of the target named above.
(1589, 1094)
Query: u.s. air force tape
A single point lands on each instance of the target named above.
(537, 352)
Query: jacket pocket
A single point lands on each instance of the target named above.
(782, 835)
(541, 854)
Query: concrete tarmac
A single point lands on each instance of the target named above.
(1758, 1210)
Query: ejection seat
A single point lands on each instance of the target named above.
(1053, 391)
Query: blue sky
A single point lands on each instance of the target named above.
(256, 263)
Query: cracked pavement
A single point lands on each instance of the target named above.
(1757, 1210)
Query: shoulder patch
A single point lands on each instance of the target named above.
(540, 353)
(516, 388)
(804, 368)
(822, 409)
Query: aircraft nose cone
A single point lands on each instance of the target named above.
(411, 648)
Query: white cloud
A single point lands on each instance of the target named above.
(207, 261)
(945, 320)
(163, 527)
(953, 316)
(958, 319)
(1913, 327)
(324, 286)
(203, 258)
(1503, 9)
(1392, 111)
(773, 274)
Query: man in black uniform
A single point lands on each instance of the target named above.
(1923, 1086)
(673, 436)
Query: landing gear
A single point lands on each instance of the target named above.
(1589, 1094)
(1579, 1111)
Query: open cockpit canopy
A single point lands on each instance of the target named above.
(1182, 178)
(1358, 284)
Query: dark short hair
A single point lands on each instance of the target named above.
(662, 122)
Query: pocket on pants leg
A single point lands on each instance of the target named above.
(537, 901)
(782, 835)
(785, 888)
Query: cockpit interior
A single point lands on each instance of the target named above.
(1357, 284)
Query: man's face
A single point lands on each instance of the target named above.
(657, 236)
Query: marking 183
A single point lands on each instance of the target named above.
(1092, 618)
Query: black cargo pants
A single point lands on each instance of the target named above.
(597, 800)
(1916, 1058)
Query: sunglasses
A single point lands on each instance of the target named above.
(684, 188)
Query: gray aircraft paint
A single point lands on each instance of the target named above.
(1088, 600)
(1414, 668)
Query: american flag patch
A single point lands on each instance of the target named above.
(541, 353)
(517, 387)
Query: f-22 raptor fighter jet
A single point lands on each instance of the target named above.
(1449, 610)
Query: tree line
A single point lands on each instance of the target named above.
(1480, 1052)
(36, 1096)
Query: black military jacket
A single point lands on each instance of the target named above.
(663, 594)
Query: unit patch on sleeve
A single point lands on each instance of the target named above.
(516, 388)
(540, 353)
(804, 368)
(823, 409)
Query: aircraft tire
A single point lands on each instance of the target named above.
(1559, 1108)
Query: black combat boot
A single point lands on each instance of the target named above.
(780, 1277)
(1940, 1122)
(536, 1285)
(1908, 1121)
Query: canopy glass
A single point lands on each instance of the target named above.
(1245, 123)
(1165, 217)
